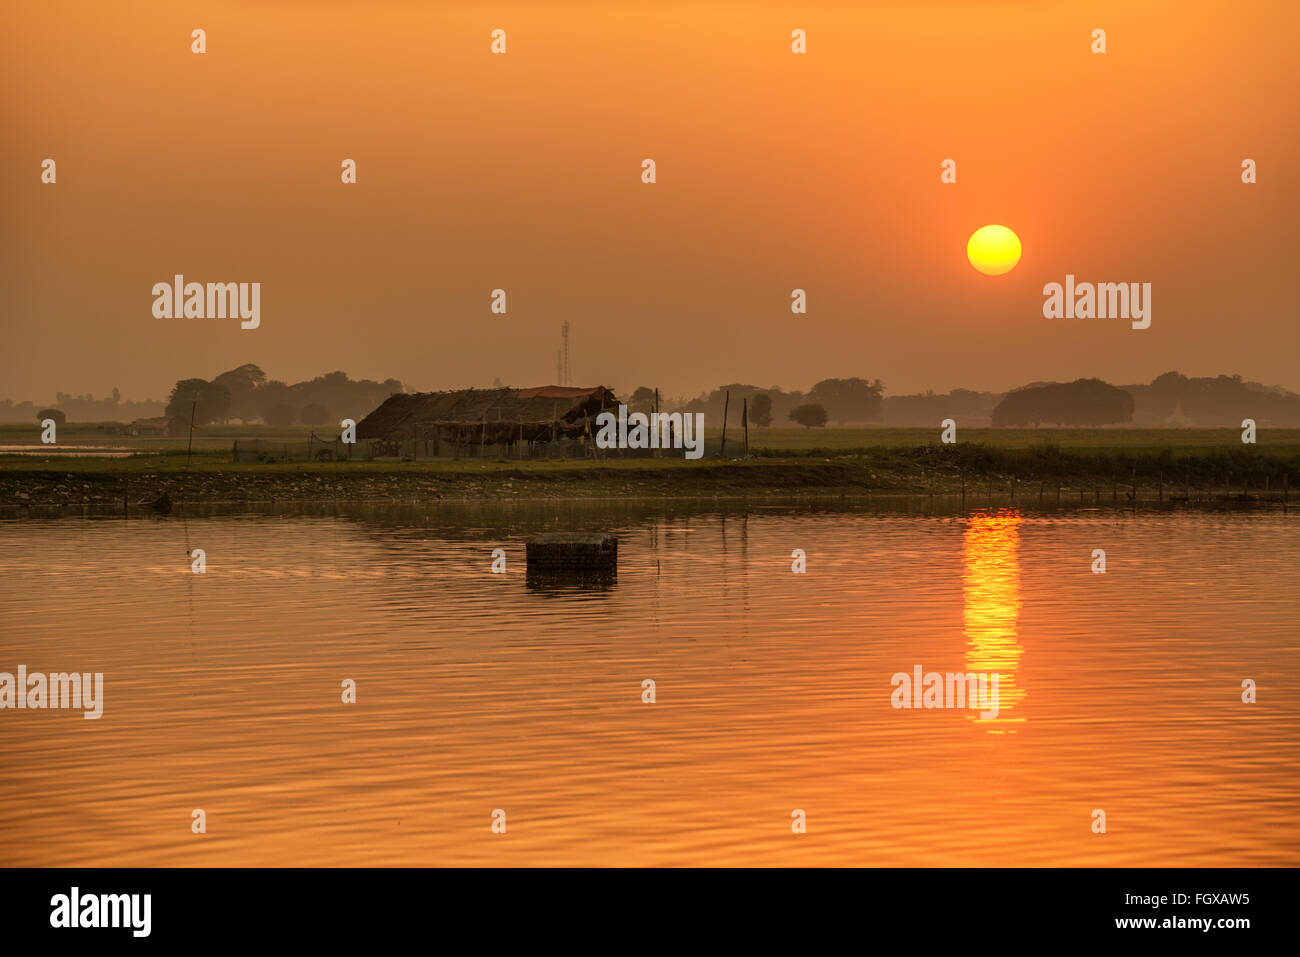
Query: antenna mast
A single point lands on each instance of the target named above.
(564, 366)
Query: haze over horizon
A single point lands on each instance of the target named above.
(620, 389)
(522, 172)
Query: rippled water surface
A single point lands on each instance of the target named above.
(479, 691)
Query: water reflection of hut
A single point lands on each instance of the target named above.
(469, 421)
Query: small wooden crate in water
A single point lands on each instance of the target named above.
(573, 552)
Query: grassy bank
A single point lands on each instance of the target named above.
(1037, 468)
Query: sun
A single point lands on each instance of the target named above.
(993, 250)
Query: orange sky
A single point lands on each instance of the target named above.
(522, 171)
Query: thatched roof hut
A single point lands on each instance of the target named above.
(474, 416)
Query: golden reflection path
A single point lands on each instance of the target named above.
(991, 585)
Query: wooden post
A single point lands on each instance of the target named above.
(234, 451)
(744, 420)
(194, 406)
(126, 485)
(726, 402)
(659, 433)
(415, 444)
(1160, 487)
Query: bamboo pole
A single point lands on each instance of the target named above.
(725, 404)
(659, 435)
(193, 408)
(744, 421)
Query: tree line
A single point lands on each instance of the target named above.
(245, 393)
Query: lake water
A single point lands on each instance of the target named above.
(478, 691)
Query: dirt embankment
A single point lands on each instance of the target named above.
(1085, 477)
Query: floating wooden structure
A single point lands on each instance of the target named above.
(573, 552)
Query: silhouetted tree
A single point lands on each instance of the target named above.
(760, 409)
(1082, 402)
(213, 401)
(642, 400)
(849, 400)
(242, 383)
(59, 418)
(809, 415)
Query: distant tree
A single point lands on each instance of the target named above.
(808, 415)
(242, 383)
(849, 400)
(275, 393)
(760, 409)
(213, 401)
(642, 400)
(1088, 402)
(59, 418)
(314, 414)
(281, 414)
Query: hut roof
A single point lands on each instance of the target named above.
(544, 405)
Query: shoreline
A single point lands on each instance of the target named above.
(1264, 478)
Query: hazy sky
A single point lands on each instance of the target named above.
(523, 171)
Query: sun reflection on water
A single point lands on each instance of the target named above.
(991, 585)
